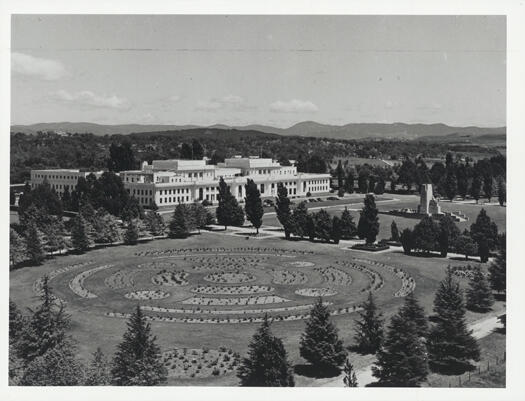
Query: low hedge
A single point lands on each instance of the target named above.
(370, 247)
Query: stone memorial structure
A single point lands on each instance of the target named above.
(428, 204)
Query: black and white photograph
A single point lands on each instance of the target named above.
(259, 200)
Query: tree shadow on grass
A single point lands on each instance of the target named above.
(358, 350)
(500, 297)
(462, 259)
(451, 369)
(312, 371)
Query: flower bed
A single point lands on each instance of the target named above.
(200, 311)
(236, 277)
(231, 290)
(376, 280)
(370, 247)
(77, 283)
(147, 294)
(316, 292)
(408, 284)
(191, 363)
(289, 277)
(238, 301)
(224, 262)
(171, 278)
(301, 263)
(465, 271)
(270, 251)
(39, 283)
(333, 275)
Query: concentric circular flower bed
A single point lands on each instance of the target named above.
(229, 277)
(171, 278)
(333, 275)
(238, 301)
(289, 277)
(147, 294)
(185, 363)
(231, 290)
(301, 263)
(316, 292)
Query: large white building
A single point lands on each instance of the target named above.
(60, 179)
(169, 182)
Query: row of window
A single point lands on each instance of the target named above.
(174, 191)
(174, 199)
(56, 177)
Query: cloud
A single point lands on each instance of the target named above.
(88, 98)
(293, 106)
(49, 70)
(230, 102)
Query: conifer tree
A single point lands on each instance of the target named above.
(17, 323)
(402, 360)
(267, 363)
(300, 218)
(253, 204)
(155, 224)
(137, 361)
(228, 212)
(79, 236)
(425, 234)
(479, 296)
(451, 186)
(98, 372)
(45, 329)
(105, 227)
(502, 192)
(34, 246)
(349, 182)
(339, 174)
(179, 224)
(335, 233)
(369, 330)
(310, 226)
(283, 211)
(17, 248)
(348, 228)
(448, 234)
(394, 232)
(320, 344)
(200, 215)
(498, 269)
(323, 225)
(475, 189)
(407, 241)
(488, 185)
(450, 344)
(58, 366)
(466, 246)
(484, 228)
(131, 235)
(412, 311)
(368, 226)
(349, 379)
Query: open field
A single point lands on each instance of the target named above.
(95, 284)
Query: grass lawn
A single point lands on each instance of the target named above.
(92, 328)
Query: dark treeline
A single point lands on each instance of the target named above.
(90, 152)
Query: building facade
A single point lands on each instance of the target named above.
(169, 182)
(60, 179)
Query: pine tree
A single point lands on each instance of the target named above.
(283, 211)
(339, 173)
(498, 269)
(131, 235)
(58, 366)
(335, 233)
(407, 241)
(45, 329)
(34, 246)
(253, 204)
(137, 361)
(394, 232)
(488, 186)
(349, 379)
(98, 373)
(425, 234)
(320, 344)
(79, 237)
(451, 185)
(105, 227)
(310, 226)
(369, 330)
(179, 224)
(412, 311)
(402, 360)
(300, 218)
(200, 215)
(484, 228)
(267, 363)
(323, 225)
(372, 183)
(348, 228)
(17, 323)
(228, 211)
(450, 344)
(379, 188)
(448, 234)
(466, 246)
(475, 189)
(368, 226)
(17, 248)
(479, 296)
(349, 182)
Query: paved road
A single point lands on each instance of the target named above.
(480, 328)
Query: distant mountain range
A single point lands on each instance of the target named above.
(306, 128)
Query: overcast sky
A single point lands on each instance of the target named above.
(275, 70)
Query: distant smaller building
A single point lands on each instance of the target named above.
(60, 179)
